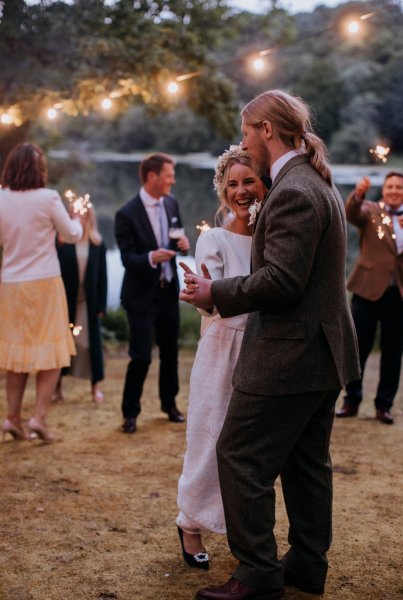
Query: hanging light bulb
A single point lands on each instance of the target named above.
(6, 119)
(258, 64)
(106, 103)
(52, 113)
(173, 87)
(353, 27)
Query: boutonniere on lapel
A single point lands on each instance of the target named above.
(254, 210)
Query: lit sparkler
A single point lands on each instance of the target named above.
(76, 329)
(79, 204)
(204, 226)
(381, 152)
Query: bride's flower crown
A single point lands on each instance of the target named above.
(234, 151)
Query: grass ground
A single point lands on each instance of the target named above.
(92, 516)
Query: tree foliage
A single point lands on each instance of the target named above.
(80, 52)
(74, 55)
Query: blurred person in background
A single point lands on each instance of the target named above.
(150, 289)
(34, 329)
(83, 269)
(377, 286)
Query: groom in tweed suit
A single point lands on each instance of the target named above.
(298, 351)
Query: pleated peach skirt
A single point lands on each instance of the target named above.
(34, 326)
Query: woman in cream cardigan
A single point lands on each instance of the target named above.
(34, 327)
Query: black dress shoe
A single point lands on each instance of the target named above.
(347, 410)
(199, 560)
(173, 413)
(129, 425)
(384, 416)
(295, 581)
(235, 590)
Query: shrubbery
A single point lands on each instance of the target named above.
(115, 326)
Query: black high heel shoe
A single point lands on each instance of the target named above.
(199, 560)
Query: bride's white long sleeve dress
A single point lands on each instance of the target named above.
(226, 254)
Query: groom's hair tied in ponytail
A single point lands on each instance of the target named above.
(290, 118)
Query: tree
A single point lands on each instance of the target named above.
(71, 56)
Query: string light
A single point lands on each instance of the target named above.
(106, 104)
(353, 27)
(6, 119)
(258, 64)
(127, 86)
(172, 87)
(52, 113)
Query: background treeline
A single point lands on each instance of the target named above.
(353, 84)
(75, 53)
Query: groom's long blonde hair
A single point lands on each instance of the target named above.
(291, 120)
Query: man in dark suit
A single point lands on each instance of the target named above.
(377, 285)
(298, 350)
(150, 285)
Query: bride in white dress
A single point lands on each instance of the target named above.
(226, 252)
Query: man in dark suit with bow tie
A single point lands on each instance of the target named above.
(298, 350)
(150, 285)
(377, 285)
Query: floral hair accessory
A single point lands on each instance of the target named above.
(234, 151)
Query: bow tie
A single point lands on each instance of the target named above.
(266, 180)
(396, 213)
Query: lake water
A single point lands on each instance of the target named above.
(112, 180)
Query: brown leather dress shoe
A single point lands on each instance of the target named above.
(295, 581)
(384, 416)
(235, 590)
(347, 411)
(129, 425)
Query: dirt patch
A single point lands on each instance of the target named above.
(92, 516)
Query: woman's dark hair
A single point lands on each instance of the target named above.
(25, 168)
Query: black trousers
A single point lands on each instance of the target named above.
(264, 437)
(388, 311)
(160, 325)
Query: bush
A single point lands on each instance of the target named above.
(190, 325)
(115, 326)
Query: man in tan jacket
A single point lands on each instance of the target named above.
(377, 285)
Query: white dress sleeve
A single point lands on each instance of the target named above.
(70, 230)
(208, 251)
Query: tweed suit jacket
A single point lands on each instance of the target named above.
(378, 258)
(300, 335)
(135, 238)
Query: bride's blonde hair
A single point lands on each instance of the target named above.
(234, 155)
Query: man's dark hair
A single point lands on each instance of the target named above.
(153, 164)
(393, 174)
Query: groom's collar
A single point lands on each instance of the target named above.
(280, 162)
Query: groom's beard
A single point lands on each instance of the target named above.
(261, 159)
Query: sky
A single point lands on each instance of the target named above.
(293, 6)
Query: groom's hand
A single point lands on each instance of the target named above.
(198, 289)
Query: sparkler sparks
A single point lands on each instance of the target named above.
(380, 152)
(204, 226)
(76, 329)
(79, 204)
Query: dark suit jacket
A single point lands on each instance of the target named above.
(95, 283)
(378, 258)
(135, 238)
(300, 336)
